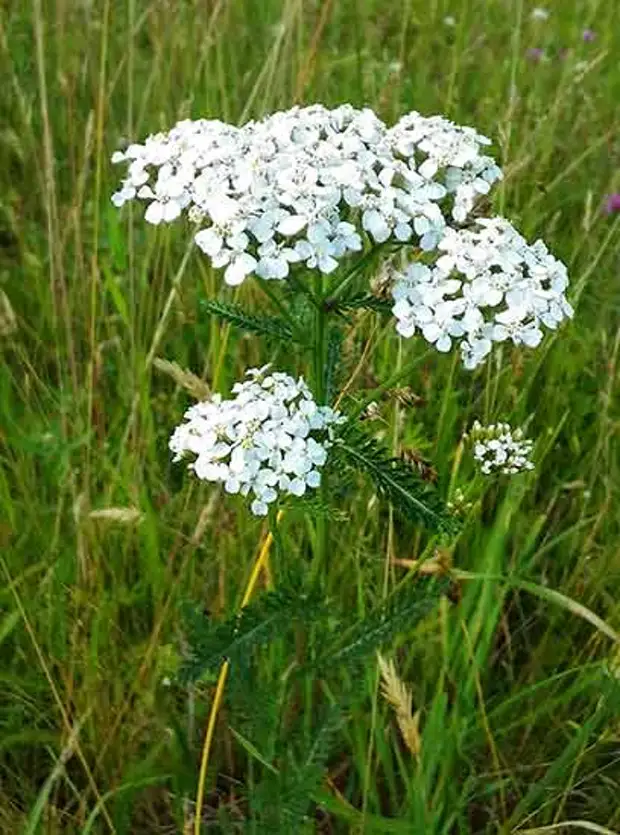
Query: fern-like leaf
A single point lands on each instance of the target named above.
(397, 480)
(399, 614)
(274, 327)
(360, 301)
(281, 802)
(257, 624)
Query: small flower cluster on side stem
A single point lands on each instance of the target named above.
(498, 448)
(270, 439)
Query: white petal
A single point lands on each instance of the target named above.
(209, 241)
(327, 264)
(432, 332)
(241, 266)
(313, 478)
(154, 213)
(532, 337)
(222, 209)
(297, 487)
(428, 168)
(405, 328)
(291, 225)
(171, 211)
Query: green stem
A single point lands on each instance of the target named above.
(300, 285)
(319, 356)
(345, 280)
(319, 381)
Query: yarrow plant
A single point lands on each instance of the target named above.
(304, 185)
(498, 448)
(313, 204)
(311, 192)
(318, 191)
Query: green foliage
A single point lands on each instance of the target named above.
(272, 327)
(333, 362)
(280, 803)
(270, 615)
(399, 614)
(362, 301)
(85, 609)
(402, 485)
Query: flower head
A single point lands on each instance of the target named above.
(612, 204)
(270, 439)
(539, 13)
(489, 285)
(304, 185)
(497, 448)
(588, 35)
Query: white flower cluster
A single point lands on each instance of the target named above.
(303, 185)
(498, 449)
(489, 285)
(450, 155)
(271, 437)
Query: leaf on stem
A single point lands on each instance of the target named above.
(402, 485)
(275, 327)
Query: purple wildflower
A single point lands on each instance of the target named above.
(612, 203)
(535, 53)
(588, 35)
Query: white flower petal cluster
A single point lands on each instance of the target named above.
(303, 185)
(270, 439)
(450, 155)
(497, 448)
(489, 285)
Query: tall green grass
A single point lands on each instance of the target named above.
(518, 684)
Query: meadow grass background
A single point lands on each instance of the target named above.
(517, 690)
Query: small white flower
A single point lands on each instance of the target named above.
(497, 448)
(270, 439)
(448, 155)
(539, 13)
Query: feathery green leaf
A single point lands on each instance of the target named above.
(398, 481)
(270, 326)
(270, 615)
(281, 801)
(399, 614)
(361, 301)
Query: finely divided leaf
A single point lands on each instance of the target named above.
(399, 614)
(269, 326)
(362, 301)
(257, 624)
(402, 485)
